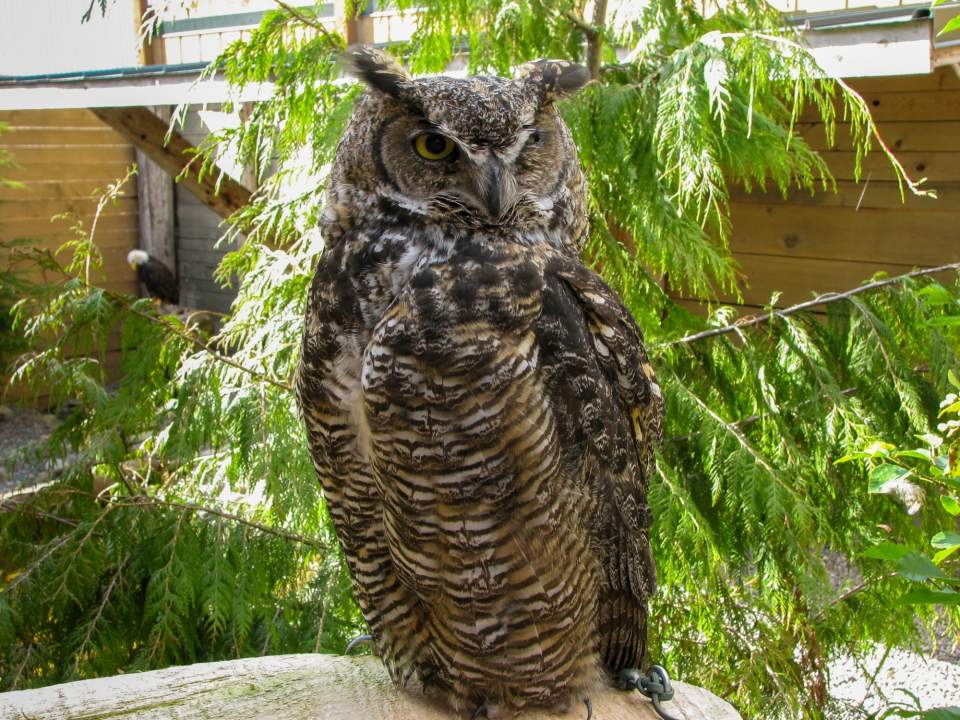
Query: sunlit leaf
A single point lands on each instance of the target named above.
(950, 504)
(945, 540)
(886, 551)
(917, 567)
(885, 478)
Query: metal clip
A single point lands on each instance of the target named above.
(655, 685)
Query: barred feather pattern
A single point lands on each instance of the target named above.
(483, 417)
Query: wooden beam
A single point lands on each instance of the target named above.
(947, 53)
(148, 88)
(147, 132)
(152, 50)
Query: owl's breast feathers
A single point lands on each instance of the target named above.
(489, 439)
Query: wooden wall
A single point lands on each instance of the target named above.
(807, 244)
(64, 156)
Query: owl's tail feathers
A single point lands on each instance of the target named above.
(623, 632)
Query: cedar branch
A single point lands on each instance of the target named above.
(310, 22)
(125, 303)
(145, 501)
(823, 299)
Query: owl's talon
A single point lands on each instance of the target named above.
(629, 679)
(358, 640)
(589, 704)
(481, 708)
(428, 677)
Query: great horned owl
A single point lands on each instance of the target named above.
(479, 405)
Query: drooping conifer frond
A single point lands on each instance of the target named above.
(181, 520)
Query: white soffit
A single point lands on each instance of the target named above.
(903, 48)
(124, 91)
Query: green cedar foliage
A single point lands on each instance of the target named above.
(183, 522)
(909, 474)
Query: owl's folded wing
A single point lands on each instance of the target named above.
(621, 413)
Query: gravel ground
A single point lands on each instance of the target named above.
(935, 680)
(20, 428)
(863, 688)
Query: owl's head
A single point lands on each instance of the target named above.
(477, 151)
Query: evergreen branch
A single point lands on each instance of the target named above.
(749, 420)
(22, 666)
(61, 541)
(855, 590)
(6, 506)
(311, 22)
(900, 172)
(735, 431)
(99, 612)
(824, 299)
(164, 572)
(196, 342)
(148, 501)
(62, 587)
(126, 304)
(875, 331)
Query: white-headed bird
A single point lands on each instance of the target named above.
(155, 276)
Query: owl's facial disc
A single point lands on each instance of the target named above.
(479, 178)
(477, 149)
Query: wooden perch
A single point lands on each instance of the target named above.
(301, 687)
(147, 132)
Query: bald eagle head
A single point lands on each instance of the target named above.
(156, 277)
(136, 258)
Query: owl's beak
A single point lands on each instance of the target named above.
(497, 188)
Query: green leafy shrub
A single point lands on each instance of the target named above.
(186, 523)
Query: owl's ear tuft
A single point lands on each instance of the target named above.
(554, 79)
(376, 68)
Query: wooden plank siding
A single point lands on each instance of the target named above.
(804, 243)
(64, 157)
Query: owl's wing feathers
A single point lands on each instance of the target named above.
(593, 356)
(626, 468)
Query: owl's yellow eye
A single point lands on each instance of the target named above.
(434, 146)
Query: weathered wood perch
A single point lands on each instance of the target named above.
(299, 687)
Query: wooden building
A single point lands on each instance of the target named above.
(827, 242)
(797, 245)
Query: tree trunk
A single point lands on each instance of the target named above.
(301, 687)
(595, 39)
